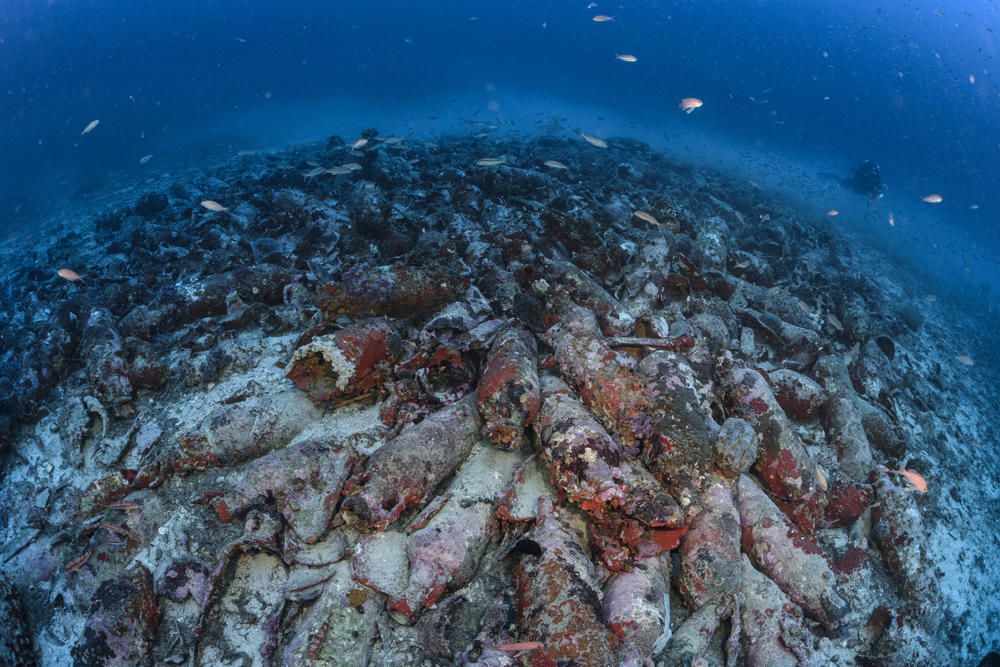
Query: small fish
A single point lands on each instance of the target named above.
(313, 173)
(213, 206)
(90, 126)
(70, 275)
(594, 141)
(337, 171)
(931, 298)
(351, 166)
(742, 265)
(753, 184)
(974, 207)
(835, 322)
(145, 158)
(821, 479)
(389, 141)
(240, 40)
(519, 646)
(892, 219)
(490, 161)
(601, 18)
(914, 479)
(689, 104)
(626, 57)
(591, 5)
(555, 164)
(965, 360)
(833, 213)
(933, 199)
(360, 143)
(647, 217)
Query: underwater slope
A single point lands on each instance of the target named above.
(366, 401)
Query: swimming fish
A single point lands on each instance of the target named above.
(965, 360)
(933, 199)
(213, 206)
(145, 158)
(360, 143)
(594, 141)
(833, 213)
(338, 171)
(520, 646)
(490, 161)
(647, 217)
(835, 322)
(351, 166)
(914, 479)
(601, 18)
(626, 57)
(70, 275)
(90, 126)
(389, 140)
(821, 479)
(931, 298)
(313, 173)
(555, 164)
(689, 104)
(591, 5)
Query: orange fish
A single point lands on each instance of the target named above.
(933, 199)
(360, 143)
(914, 479)
(821, 480)
(626, 57)
(70, 275)
(833, 213)
(601, 18)
(520, 646)
(689, 104)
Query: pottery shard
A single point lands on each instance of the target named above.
(558, 598)
(736, 446)
(628, 505)
(339, 628)
(443, 556)
(122, 623)
(710, 552)
(233, 434)
(784, 463)
(679, 451)
(842, 419)
(304, 480)
(762, 607)
(612, 391)
(614, 317)
(508, 395)
(798, 395)
(711, 244)
(899, 531)
(403, 472)
(348, 365)
(105, 359)
(637, 610)
(396, 290)
(791, 559)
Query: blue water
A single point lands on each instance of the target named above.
(837, 82)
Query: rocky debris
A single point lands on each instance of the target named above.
(123, 620)
(17, 648)
(549, 374)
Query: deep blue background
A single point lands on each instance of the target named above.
(154, 72)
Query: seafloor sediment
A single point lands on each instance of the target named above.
(422, 409)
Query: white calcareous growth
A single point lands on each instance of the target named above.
(343, 369)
